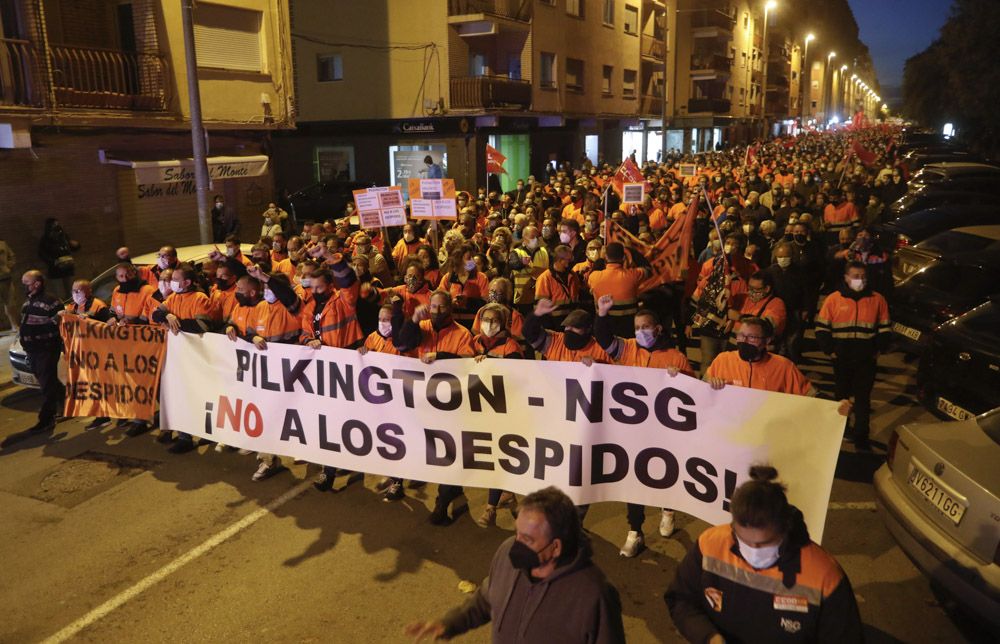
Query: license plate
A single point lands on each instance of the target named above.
(953, 410)
(26, 378)
(935, 494)
(913, 334)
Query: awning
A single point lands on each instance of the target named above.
(174, 170)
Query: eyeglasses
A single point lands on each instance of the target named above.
(749, 338)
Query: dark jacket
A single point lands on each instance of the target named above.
(804, 597)
(40, 323)
(574, 604)
(54, 245)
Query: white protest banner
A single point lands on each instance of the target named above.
(600, 433)
(421, 208)
(394, 216)
(366, 201)
(380, 206)
(445, 208)
(431, 188)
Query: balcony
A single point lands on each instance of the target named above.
(84, 77)
(18, 65)
(108, 78)
(653, 48)
(722, 16)
(714, 105)
(709, 64)
(519, 10)
(651, 105)
(487, 92)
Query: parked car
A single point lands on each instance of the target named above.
(935, 197)
(103, 285)
(939, 495)
(959, 372)
(917, 158)
(918, 226)
(957, 175)
(322, 201)
(940, 278)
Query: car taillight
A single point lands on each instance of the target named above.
(902, 241)
(890, 453)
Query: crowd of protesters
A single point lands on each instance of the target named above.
(557, 268)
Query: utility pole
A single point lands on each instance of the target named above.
(663, 102)
(197, 128)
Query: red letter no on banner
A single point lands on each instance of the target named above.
(236, 416)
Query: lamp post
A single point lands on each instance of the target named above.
(840, 96)
(768, 7)
(827, 95)
(806, 76)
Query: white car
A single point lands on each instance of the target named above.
(939, 494)
(103, 285)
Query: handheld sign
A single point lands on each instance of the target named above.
(633, 193)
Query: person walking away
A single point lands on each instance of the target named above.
(56, 250)
(39, 335)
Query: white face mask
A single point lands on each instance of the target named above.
(230, 251)
(728, 249)
(489, 329)
(164, 289)
(385, 329)
(564, 238)
(162, 261)
(856, 284)
(268, 221)
(531, 244)
(784, 262)
(306, 282)
(759, 558)
(79, 298)
(470, 265)
(276, 246)
(175, 286)
(747, 229)
(269, 296)
(592, 255)
(645, 338)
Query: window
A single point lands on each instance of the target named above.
(606, 76)
(574, 74)
(575, 8)
(628, 83)
(631, 19)
(743, 59)
(514, 66)
(228, 38)
(329, 67)
(609, 12)
(548, 70)
(478, 65)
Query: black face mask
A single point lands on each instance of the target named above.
(575, 341)
(265, 264)
(800, 239)
(440, 320)
(749, 352)
(244, 300)
(129, 285)
(524, 558)
(222, 284)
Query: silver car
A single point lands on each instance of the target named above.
(939, 494)
(103, 285)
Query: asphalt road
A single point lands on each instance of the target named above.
(106, 538)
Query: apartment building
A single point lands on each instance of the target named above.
(390, 82)
(95, 118)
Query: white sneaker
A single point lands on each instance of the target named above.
(634, 544)
(264, 470)
(219, 447)
(667, 523)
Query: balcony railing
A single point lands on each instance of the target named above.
(87, 77)
(651, 105)
(711, 62)
(512, 9)
(722, 16)
(715, 105)
(652, 47)
(479, 92)
(108, 78)
(18, 64)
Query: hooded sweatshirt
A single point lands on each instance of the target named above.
(576, 603)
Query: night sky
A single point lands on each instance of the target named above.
(894, 30)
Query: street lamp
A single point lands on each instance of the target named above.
(805, 81)
(769, 6)
(828, 98)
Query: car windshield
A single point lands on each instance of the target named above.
(953, 241)
(962, 280)
(983, 320)
(104, 284)
(990, 423)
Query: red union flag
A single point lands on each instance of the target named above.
(670, 256)
(629, 172)
(494, 160)
(867, 156)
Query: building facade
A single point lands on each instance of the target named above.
(94, 96)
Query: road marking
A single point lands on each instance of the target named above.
(145, 584)
(853, 505)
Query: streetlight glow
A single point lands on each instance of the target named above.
(770, 5)
(810, 38)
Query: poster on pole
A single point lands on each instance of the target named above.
(433, 199)
(689, 170)
(633, 193)
(380, 206)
